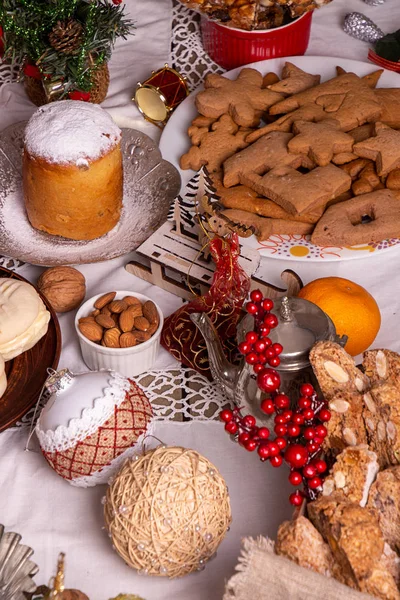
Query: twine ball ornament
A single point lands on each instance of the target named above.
(167, 511)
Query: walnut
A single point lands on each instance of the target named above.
(63, 287)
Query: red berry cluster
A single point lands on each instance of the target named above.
(299, 432)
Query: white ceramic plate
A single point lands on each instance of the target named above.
(175, 142)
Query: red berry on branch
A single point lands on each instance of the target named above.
(309, 433)
(309, 471)
(312, 446)
(296, 456)
(273, 448)
(243, 438)
(252, 308)
(251, 358)
(277, 348)
(256, 296)
(267, 304)
(276, 461)
(298, 419)
(280, 429)
(296, 499)
(250, 445)
(293, 430)
(269, 353)
(268, 380)
(321, 466)
(226, 415)
(318, 440)
(251, 337)
(244, 347)
(231, 427)
(280, 420)
(287, 415)
(257, 368)
(308, 414)
(303, 402)
(324, 414)
(267, 406)
(295, 478)
(314, 483)
(274, 362)
(306, 389)
(265, 331)
(248, 421)
(260, 346)
(321, 431)
(281, 443)
(282, 401)
(263, 433)
(263, 451)
(271, 321)
(117, 1)
(262, 359)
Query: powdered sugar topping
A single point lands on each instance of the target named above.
(70, 131)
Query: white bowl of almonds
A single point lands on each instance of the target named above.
(119, 331)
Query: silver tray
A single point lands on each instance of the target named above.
(150, 185)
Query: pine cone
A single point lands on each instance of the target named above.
(66, 36)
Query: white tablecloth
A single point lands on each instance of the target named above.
(53, 516)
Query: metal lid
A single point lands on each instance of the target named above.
(301, 325)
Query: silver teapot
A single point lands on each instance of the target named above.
(301, 325)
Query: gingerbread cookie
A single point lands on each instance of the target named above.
(299, 193)
(355, 167)
(359, 134)
(393, 180)
(243, 98)
(383, 148)
(261, 227)
(342, 158)
(294, 80)
(213, 147)
(266, 153)
(389, 99)
(367, 181)
(347, 98)
(343, 225)
(321, 141)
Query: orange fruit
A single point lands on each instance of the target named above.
(353, 310)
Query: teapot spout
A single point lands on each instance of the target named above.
(223, 372)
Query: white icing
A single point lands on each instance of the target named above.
(69, 131)
(23, 317)
(3, 377)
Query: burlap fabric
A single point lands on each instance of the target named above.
(261, 574)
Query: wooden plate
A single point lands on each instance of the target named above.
(27, 372)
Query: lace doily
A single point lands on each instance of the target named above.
(187, 52)
(8, 72)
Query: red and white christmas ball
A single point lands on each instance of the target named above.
(91, 423)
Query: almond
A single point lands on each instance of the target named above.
(359, 384)
(339, 406)
(135, 309)
(132, 301)
(127, 340)
(335, 371)
(95, 312)
(328, 487)
(381, 431)
(391, 431)
(141, 323)
(92, 331)
(381, 364)
(89, 319)
(150, 312)
(370, 424)
(105, 310)
(349, 437)
(153, 328)
(105, 321)
(104, 299)
(118, 306)
(369, 403)
(340, 479)
(126, 320)
(141, 336)
(111, 337)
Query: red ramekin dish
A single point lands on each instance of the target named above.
(231, 48)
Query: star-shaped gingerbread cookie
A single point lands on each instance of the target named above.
(294, 80)
(383, 148)
(243, 98)
(321, 141)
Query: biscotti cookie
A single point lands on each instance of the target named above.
(343, 225)
(336, 370)
(299, 541)
(382, 365)
(346, 426)
(384, 498)
(384, 438)
(390, 561)
(380, 584)
(352, 474)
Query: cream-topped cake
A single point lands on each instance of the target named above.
(23, 318)
(72, 170)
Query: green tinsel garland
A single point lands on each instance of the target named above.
(27, 24)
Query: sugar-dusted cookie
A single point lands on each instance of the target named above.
(299, 193)
(393, 180)
(298, 540)
(389, 99)
(343, 224)
(244, 198)
(211, 148)
(294, 80)
(243, 98)
(266, 153)
(384, 498)
(383, 148)
(352, 474)
(245, 224)
(319, 140)
(347, 98)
